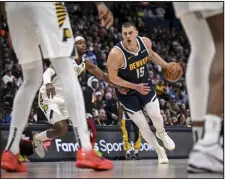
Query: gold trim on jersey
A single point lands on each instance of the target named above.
(53, 76)
(42, 104)
(61, 13)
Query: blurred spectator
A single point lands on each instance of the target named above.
(182, 120)
(102, 119)
(156, 22)
(160, 89)
(8, 77)
(32, 117)
(91, 56)
(165, 119)
(16, 71)
(99, 103)
(175, 121)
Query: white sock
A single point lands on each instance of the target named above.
(198, 67)
(32, 74)
(140, 120)
(212, 128)
(42, 136)
(73, 98)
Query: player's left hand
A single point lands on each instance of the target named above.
(105, 15)
(50, 90)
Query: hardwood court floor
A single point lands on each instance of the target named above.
(123, 169)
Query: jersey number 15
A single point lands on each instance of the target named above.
(140, 72)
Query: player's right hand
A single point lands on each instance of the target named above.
(50, 90)
(143, 88)
(105, 15)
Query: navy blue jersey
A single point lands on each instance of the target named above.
(135, 65)
(135, 71)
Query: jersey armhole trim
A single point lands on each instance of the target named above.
(144, 44)
(125, 60)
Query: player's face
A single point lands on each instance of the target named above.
(81, 47)
(95, 84)
(129, 35)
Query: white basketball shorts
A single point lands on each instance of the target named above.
(54, 110)
(39, 30)
(207, 9)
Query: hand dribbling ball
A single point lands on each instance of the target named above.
(173, 72)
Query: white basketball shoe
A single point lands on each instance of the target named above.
(162, 157)
(38, 147)
(167, 141)
(206, 158)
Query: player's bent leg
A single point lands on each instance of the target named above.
(32, 73)
(198, 68)
(59, 129)
(86, 156)
(153, 111)
(140, 120)
(73, 97)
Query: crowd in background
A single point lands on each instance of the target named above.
(158, 23)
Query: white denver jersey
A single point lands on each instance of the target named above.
(59, 97)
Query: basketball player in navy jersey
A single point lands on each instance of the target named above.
(127, 67)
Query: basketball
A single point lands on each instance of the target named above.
(173, 72)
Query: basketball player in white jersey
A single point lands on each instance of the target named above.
(42, 29)
(51, 98)
(203, 23)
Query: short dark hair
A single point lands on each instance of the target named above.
(128, 24)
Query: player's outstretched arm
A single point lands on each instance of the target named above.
(93, 69)
(154, 57)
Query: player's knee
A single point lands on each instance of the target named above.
(61, 128)
(154, 114)
(32, 74)
(153, 109)
(139, 119)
